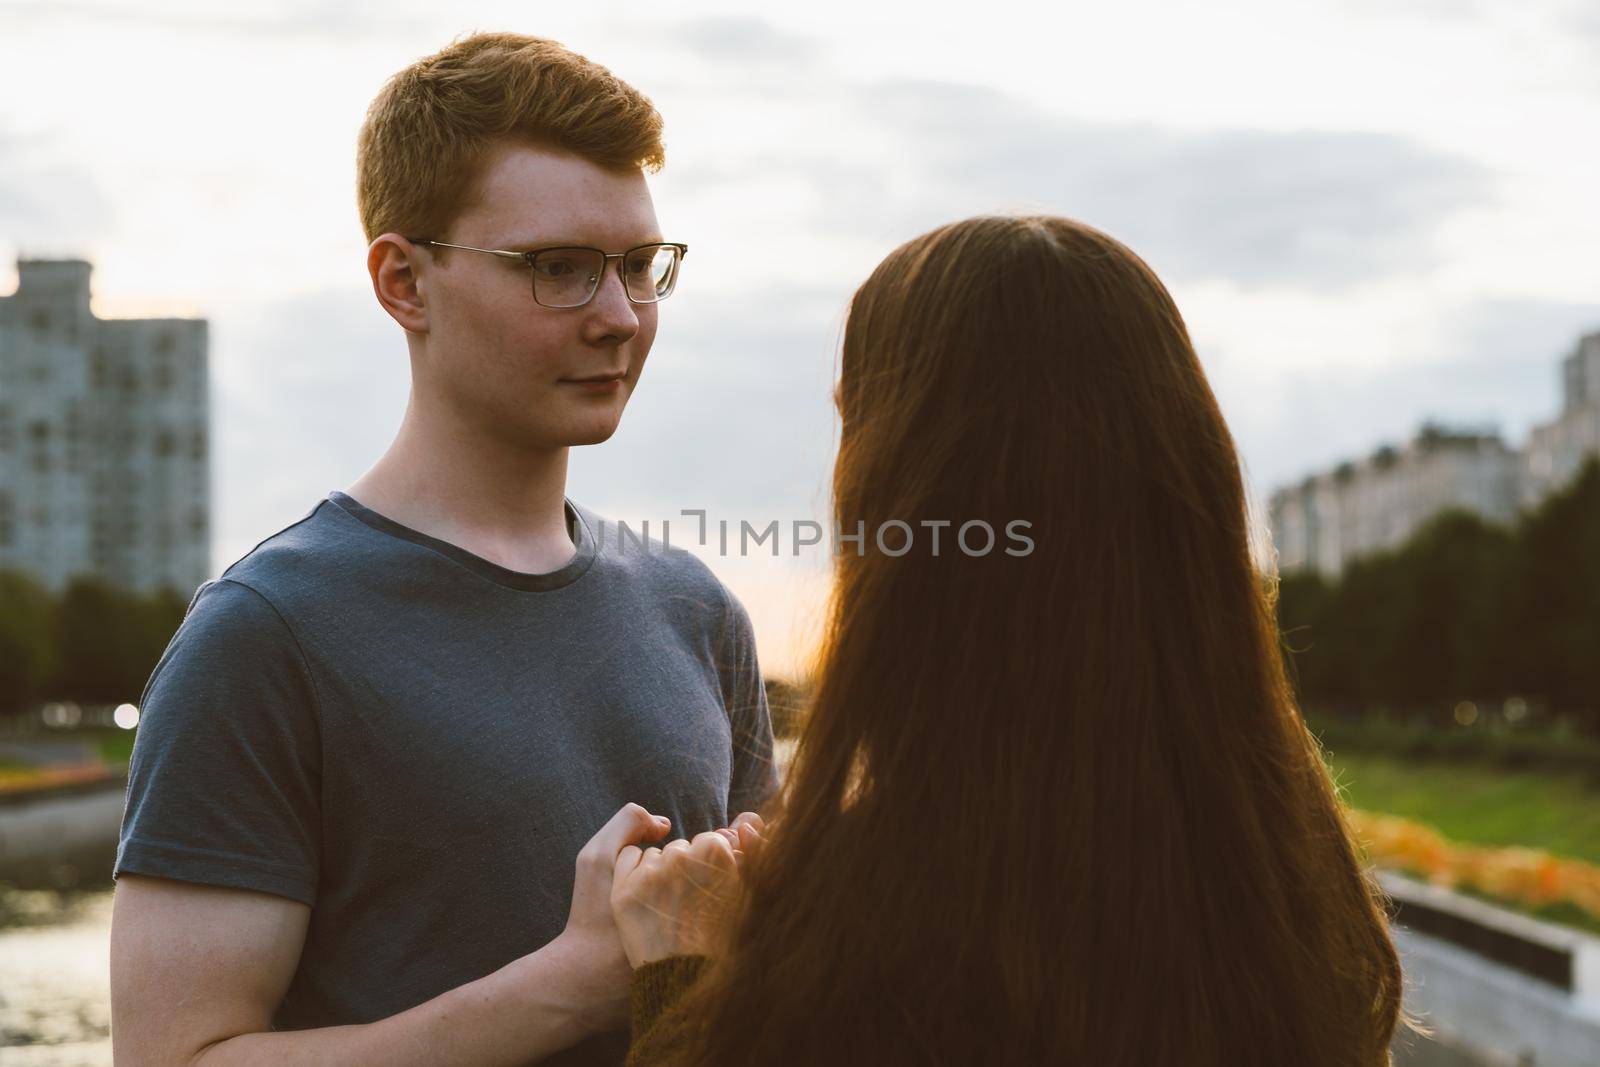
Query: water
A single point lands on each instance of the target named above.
(55, 994)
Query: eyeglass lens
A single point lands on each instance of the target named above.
(568, 277)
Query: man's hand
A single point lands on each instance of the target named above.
(590, 942)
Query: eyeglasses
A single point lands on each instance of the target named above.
(569, 276)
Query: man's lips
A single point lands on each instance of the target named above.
(618, 376)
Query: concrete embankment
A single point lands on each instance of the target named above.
(63, 837)
(1497, 987)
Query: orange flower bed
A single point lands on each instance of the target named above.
(1525, 875)
(31, 778)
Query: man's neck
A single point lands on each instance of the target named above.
(482, 493)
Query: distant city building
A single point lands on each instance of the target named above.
(1557, 449)
(1378, 502)
(104, 445)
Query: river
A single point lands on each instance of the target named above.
(55, 1004)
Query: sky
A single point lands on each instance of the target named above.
(1371, 213)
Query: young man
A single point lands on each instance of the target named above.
(370, 757)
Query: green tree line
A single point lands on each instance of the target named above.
(1465, 610)
(93, 643)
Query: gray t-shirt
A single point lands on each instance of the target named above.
(416, 742)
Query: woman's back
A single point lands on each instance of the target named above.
(1054, 802)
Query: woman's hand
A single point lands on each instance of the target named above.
(669, 901)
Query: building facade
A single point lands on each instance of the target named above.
(1377, 503)
(104, 439)
(1557, 449)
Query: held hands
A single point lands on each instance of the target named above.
(631, 907)
(669, 901)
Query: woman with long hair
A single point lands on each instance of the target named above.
(1054, 801)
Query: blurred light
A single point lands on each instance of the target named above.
(61, 715)
(126, 716)
(1515, 710)
(1466, 713)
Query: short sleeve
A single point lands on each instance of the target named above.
(224, 781)
(754, 778)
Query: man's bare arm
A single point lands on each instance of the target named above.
(197, 973)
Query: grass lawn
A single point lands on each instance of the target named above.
(1478, 805)
(115, 745)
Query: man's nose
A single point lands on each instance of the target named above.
(611, 306)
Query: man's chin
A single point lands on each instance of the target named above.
(595, 434)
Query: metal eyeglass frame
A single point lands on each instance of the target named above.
(605, 259)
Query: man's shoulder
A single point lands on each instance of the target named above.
(247, 601)
(304, 555)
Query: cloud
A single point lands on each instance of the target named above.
(308, 391)
(737, 40)
(48, 206)
(733, 414)
(1439, 10)
(1495, 365)
(322, 21)
(1255, 207)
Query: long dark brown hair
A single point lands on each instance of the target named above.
(1058, 805)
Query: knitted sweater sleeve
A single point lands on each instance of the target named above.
(654, 988)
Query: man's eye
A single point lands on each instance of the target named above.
(640, 265)
(554, 268)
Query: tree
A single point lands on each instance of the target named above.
(110, 640)
(27, 641)
(1557, 609)
(1462, 610)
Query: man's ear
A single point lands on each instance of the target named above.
(392, 262)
